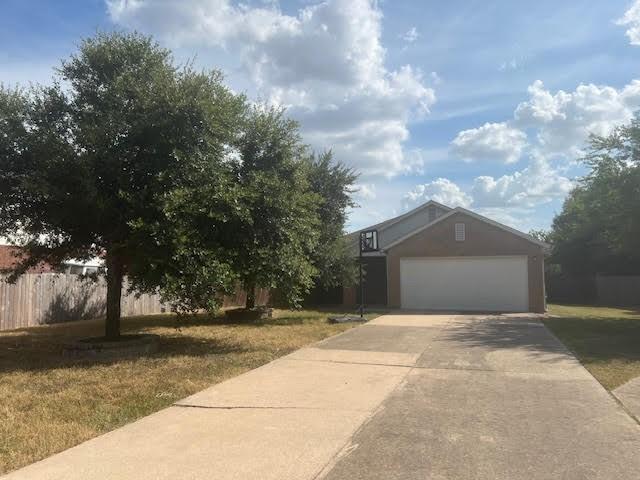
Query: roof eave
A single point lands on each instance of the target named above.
(482, 218)
(392, 221)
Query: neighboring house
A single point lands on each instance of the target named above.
(82, 267)
(9, 257)
(440, 258)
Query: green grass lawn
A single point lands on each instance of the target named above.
(49, 403)
(606, 340)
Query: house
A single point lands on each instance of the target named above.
(440, 258)
(82, 267)
(10, 255)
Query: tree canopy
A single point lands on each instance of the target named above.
(599, 226)
(333, 183)
(177, 182)
(279, 227)
(92, 164)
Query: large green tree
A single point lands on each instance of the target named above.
(599, 226)
(103, 162)
(278, 226)
(284, 229)
(333, 183)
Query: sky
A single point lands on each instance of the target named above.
(481, 104)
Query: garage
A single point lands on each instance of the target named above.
(487, 283)
(440, 258)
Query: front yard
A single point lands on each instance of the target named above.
(49, 403)
(605, 340)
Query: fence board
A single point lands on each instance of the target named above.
(41, 298)
(44, 298)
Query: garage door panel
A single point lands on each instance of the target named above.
(465, 283)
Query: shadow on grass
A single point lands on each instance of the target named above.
(28, 354)
(283, 318)
(40, 348)
(595, 311)
(279, 321)
(599, 339)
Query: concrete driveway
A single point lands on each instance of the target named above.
(403, 397)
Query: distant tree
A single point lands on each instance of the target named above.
(102, 163)
(541, 235)
(599, 226)
(333, 183)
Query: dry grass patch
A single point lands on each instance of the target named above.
(50, 403)
(606, 340)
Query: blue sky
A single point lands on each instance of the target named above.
(484, 104)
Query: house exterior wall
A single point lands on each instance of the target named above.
(8, 260)
(408, 224)
(482, 239)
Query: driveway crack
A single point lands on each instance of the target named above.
(259, 407)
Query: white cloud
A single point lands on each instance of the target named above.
(513, 217)
(364, 191)
(512, 64)
(510, 199)
(326, 64)
(491, 141)
(631, 20)
(563, 120)
(363, 217)
(440, 190)
(558, 124)
(215, 22)
(536, 184)
(410, 35)
(435, 78)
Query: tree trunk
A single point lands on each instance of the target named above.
(250, 289)
(114, 294)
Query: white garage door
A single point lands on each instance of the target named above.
(465, 283)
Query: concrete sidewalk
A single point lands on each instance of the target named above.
(402, 397)
(629, 396)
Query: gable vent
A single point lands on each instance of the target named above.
(432, 213)
(460, 233)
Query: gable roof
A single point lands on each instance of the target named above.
(477, 216)
(392, 221)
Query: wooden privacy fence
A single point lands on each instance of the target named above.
(594, 289)
(43, 298)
